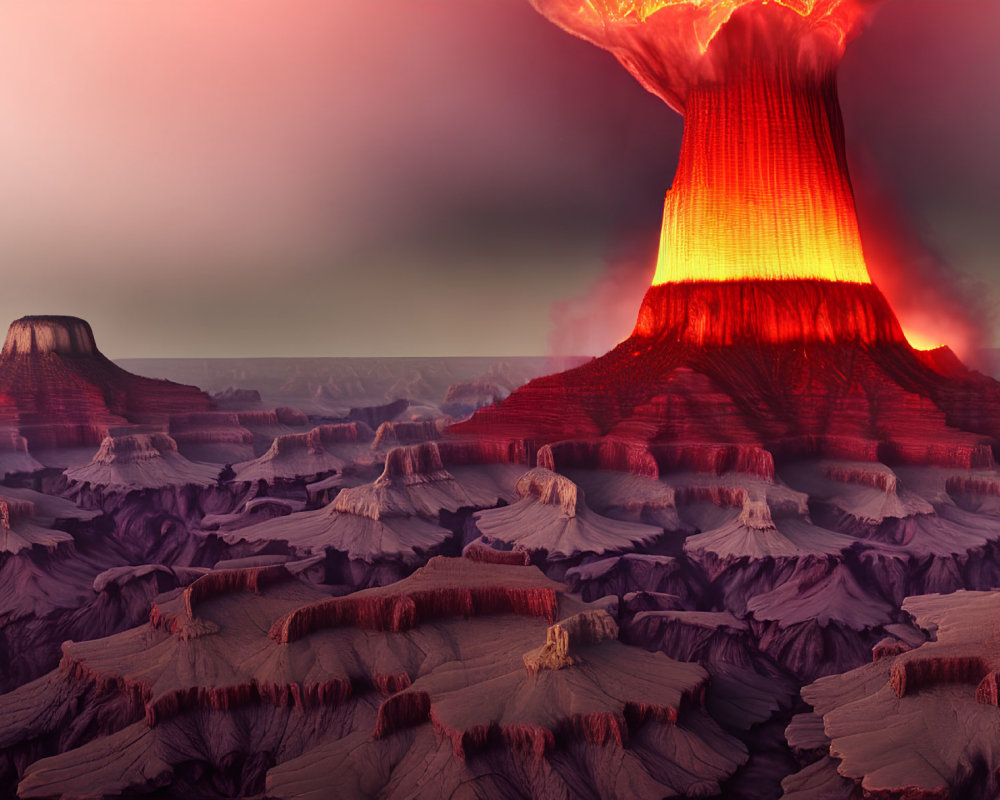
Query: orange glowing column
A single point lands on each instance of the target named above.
(762, 190)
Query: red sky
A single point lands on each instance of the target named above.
(413, 177)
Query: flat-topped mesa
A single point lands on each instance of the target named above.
(761, 332)
(65, 336)
(325, 448)
(390, 434)
(133, 449)
(315, 441)
(141, 461)
(413, 483)
(412, 464)
(551, 517)
(67, 393)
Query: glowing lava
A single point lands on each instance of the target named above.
(923, 342)
(762, 190)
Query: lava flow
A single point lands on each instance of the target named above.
(762, 330)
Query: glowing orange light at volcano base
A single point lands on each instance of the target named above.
(922, 341)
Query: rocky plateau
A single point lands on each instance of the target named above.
(219, 599)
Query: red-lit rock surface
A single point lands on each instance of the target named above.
(745, 312)
(771, 470)
(67, 394)
(762, 338)
(454, 688)
(767, 577)
(917, 725)
(789, 369)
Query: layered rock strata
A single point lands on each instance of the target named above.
(67, 394)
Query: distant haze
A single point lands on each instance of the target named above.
(204, 178)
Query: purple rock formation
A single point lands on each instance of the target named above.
(764, 575)
(531, 699)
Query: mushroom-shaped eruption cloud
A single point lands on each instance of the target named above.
(762, 331)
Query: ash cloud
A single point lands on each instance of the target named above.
(593, 322)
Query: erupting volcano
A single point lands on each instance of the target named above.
(762, 330)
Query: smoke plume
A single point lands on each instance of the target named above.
(937, 304)
(593, 322)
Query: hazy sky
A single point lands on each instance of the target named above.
(420, 177)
